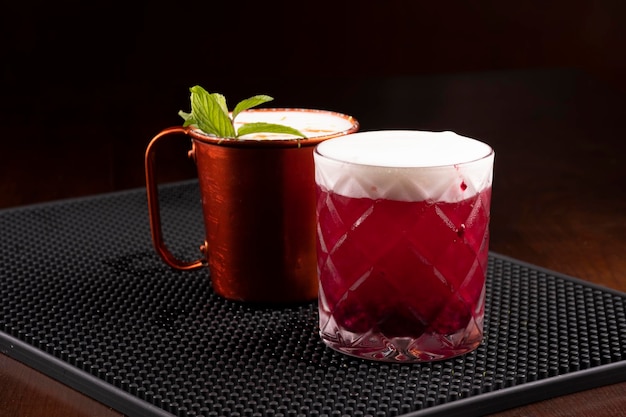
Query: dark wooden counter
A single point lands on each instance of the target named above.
(559, 197)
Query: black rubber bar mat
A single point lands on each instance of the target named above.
(85, 300)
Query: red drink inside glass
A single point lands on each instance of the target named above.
(402, 280)
(413, 270)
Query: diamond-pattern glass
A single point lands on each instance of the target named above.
(402, 258)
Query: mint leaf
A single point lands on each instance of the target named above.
(222, 119)
(221, 101)
(262, 127)
(189, 120)
(249, 103)
(209, 113)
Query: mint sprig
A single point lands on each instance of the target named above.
(209, 113)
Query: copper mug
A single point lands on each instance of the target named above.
(258, 203)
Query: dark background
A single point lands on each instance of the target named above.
(94, 81)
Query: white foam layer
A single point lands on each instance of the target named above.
(312, 123)
(404, 165)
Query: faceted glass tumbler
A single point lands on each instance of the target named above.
(402, 257)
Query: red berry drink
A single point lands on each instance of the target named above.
(402, 243)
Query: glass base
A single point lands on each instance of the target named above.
(425, 348)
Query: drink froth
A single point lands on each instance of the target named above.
(311, 123)
(405, 165)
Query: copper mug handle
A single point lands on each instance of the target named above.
(154, 211)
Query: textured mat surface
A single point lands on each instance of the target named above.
(84, 299)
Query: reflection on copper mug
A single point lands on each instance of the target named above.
(258, 202)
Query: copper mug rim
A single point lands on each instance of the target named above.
(198, 134)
